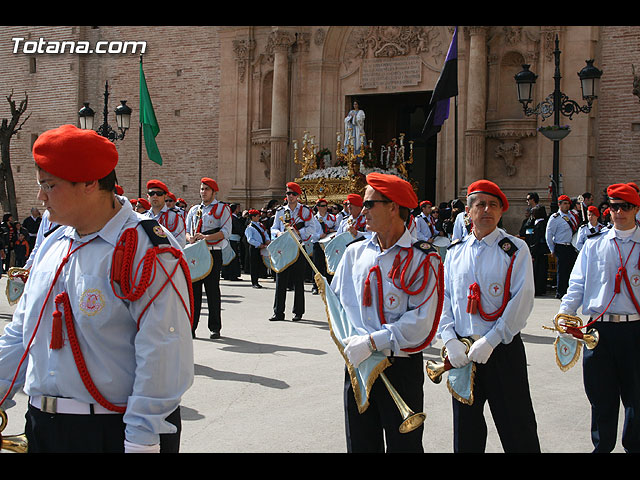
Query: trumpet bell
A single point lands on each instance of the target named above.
(435, 370)
(13, 443)
(410, 419)
(591, 339)
(412, 422)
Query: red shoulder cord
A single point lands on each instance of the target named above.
(56, 318)
(217, 216)
(172, 226)
(399, 270)
(304, 220)
(621, 275)
(474, 302)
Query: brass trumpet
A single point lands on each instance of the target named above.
(410, 419)
(571, 325)
(14, 443)
(435, 370)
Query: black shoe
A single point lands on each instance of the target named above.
(214, 335)
(296, 318)
(276, 318)
(257, 286)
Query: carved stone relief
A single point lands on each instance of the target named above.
(509, 151)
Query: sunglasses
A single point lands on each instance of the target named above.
(155, 192)
(292, 193)
(368, 204)
(614, 207)
(322, 205)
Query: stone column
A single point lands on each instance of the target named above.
(281, 41)
(476, 105)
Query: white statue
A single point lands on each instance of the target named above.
(354, 129)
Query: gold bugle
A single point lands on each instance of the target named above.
(14, 443)
(435, 370)
(590, 339)
(410, 419)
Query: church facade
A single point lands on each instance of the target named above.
(235, 102)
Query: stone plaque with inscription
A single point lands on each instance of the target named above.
(391, 73)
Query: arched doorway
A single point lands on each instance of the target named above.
(387, 116)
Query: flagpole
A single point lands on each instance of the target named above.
(140, 149)
(455, 148)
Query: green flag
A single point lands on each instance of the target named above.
(150, 128)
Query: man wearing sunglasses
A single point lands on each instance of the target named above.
(605, 284)
(328, 226)
(389, 288)
(157, 193)
(301, 219)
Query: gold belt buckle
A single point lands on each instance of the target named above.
(49, 404)
(614, 318)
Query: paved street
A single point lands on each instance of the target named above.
(277, 386)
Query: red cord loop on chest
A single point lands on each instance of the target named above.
(474, 299)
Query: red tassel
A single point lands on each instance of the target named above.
(116, 264)
(56, 331)
(616, 289)
(472, 301)
(366, 297)
(396, 263)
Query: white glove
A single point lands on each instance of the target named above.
(357, 349)
(457, 353)
(480, 351)
(137, 448)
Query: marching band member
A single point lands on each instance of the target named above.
(560, 229)
(426, 227)
(103, 361)
(210, 221)
(488, 297)
(605, 284)
(258, 239)
(592, 226)
(328, 226)
(395, 313)
(355, 222)
(157, 193)
(462, 226)
(301, 219)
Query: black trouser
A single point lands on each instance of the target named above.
(257, 268)
(234, 269)
(320, 261)
(104, 433)
(504, 383)
(566, 255)
(540, 269)
(611, 374)
(368, 431)
(212, 288)
(295, 273)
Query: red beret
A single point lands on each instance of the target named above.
(253, 212)
(594, 210)
(624, 191)
(145, 203)
(490, 188)
(606, 212)
(74, 154)
(321, 200)
(133, 201)
(354, 199)
(394, 188)
(181, 200)
(294, 187)
(634, 185)
(564, 198)
(119, 190)
(157, 184)
(210, 182)
(172, 196)
(425, 202)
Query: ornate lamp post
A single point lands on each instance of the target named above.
(555, 104)
(123, 118)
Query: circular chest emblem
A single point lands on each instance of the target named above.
(635, 280)
(91, 301)
(391, 301)
(159, 231)
(495, 289)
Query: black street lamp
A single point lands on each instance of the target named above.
(555, 104)
(123, 118)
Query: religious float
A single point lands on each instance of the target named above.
(319, 177)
